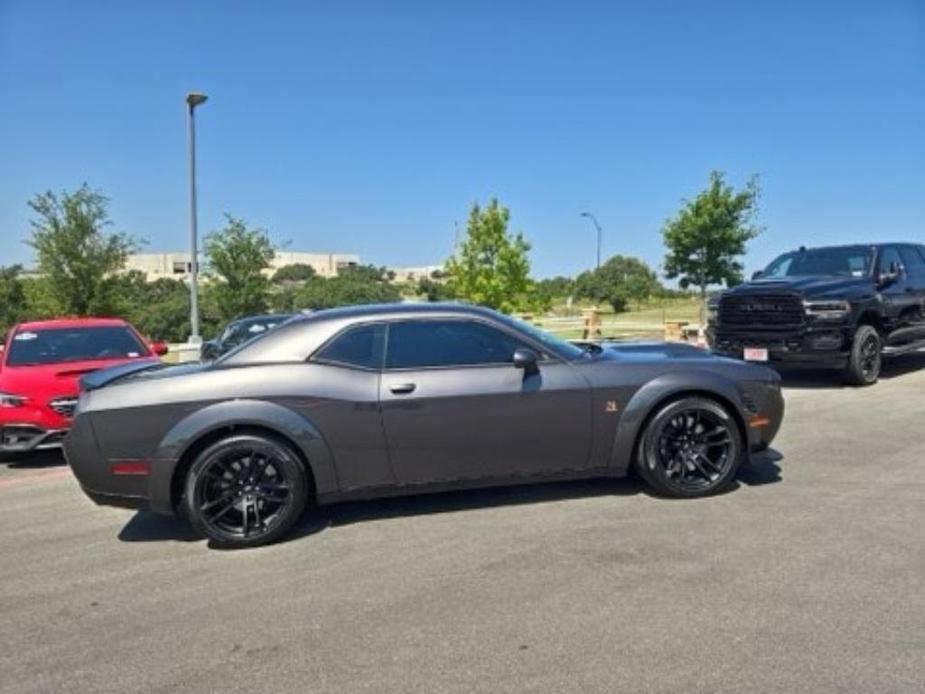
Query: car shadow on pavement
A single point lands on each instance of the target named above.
(764, 469)
(35, 461)
(471, 499)
(831, 379)
(146, 526)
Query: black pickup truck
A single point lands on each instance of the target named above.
(844, 307)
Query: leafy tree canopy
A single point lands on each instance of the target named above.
(77, 258)
(617, 282)
(433, 290)
(12, 298)
(237, 258)
(491, 267)
(707, 238)
(297, 272)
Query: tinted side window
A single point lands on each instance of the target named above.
(360, 346)
(419, 344)
(889, 260)
(913, 260)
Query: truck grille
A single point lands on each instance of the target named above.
(64, 406)
(761, 311)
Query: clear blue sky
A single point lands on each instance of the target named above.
(372, 127)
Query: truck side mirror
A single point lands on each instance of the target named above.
(891, 276)
(757, 274)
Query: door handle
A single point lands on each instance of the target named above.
(402, 388)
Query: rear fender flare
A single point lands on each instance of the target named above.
(241, 413)
(641, 405)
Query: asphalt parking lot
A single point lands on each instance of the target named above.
(808, 576)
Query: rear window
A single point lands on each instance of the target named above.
(360, 346)
(35, 347)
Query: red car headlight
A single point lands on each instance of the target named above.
(10, 400)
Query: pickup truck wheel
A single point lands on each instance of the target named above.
(691, 447)
(866, 357)
(245, 491)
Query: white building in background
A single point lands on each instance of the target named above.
(177, 265)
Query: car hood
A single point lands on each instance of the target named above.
(653, 352)
(657, 357)
(61, 379)
(811, 287)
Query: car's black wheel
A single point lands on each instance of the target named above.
(691, 447)
(866, 357)
(245, 490)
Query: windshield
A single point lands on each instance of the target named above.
(848, 261)
(52, 346)
(557, 345)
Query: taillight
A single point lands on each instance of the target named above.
(130, 467)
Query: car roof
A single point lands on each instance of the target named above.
(396, 309)
(878, 246)
(59, 323)
(305, 333)
(263, 317)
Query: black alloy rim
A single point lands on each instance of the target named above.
(870, 357)
(243, 492)
(695, 448)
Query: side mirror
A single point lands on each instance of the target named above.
(526, 359)
(208, 351)
(160, 348)
(890, 276)
(757, 274)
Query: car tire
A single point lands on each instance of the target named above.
(866, 358)
(690, 447)
(245, 490)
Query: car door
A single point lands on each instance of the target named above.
(454, 407)
(913, 258)
(342, 399)
(897, 292)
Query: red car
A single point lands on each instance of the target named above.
(40, 366)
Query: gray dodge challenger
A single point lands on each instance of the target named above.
(373, 401)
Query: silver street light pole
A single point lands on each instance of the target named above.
(598, 227)
(193, 99)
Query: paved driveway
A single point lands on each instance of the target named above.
(808, 577)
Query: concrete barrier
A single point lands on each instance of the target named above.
(182, 353)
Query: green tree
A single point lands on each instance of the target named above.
(491, 267)
(554, 289)
(77, 258)
(361, 285)
(707, 238)
(433, 290)
(618, 282)
(160, 309)
(237, 258)
(297, 272)
(12, 298)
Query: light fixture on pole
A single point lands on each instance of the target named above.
(193, 99)
(598, 227)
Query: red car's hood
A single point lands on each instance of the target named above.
(55, 380)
